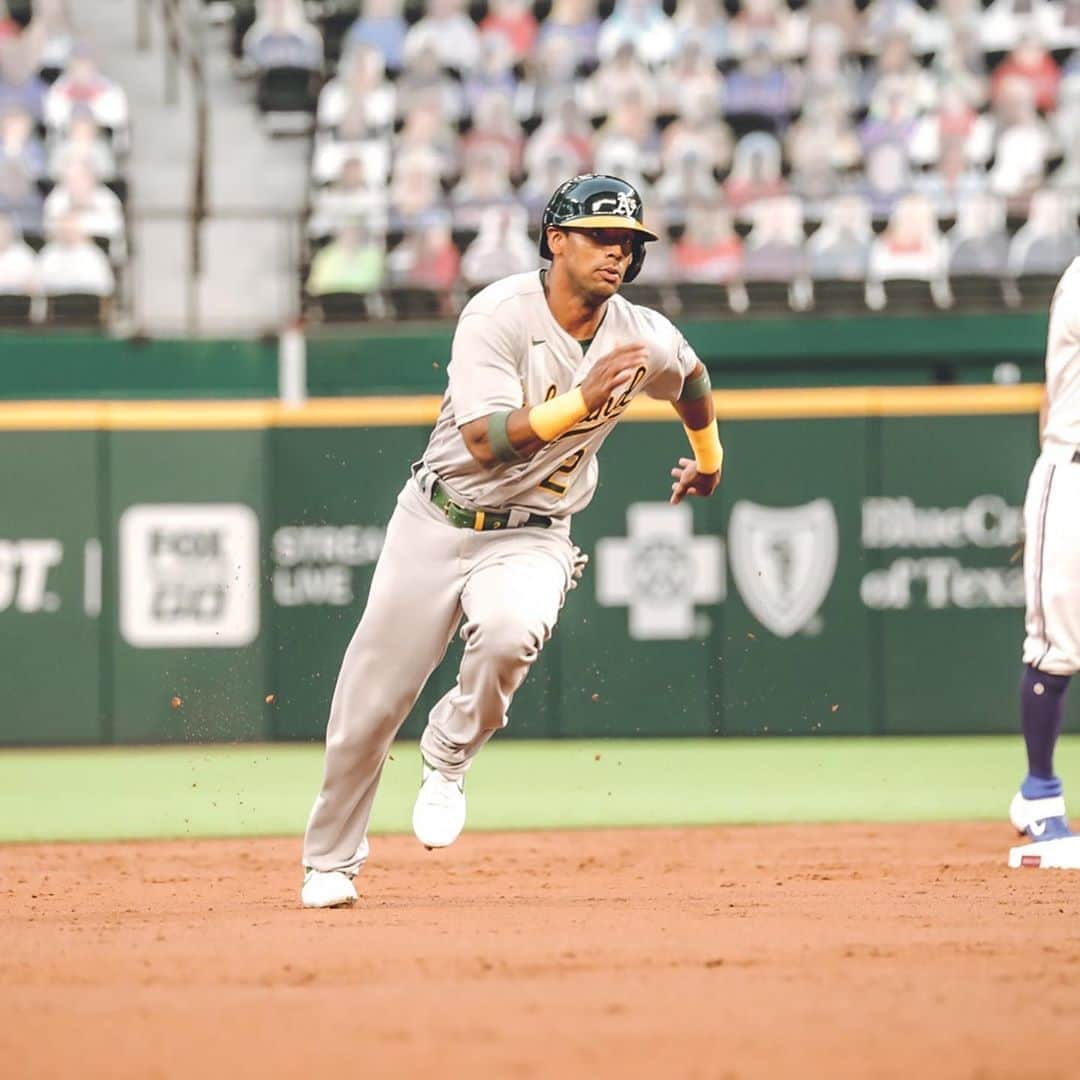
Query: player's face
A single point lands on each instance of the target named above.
(595, 260)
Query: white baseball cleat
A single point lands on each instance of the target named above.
(1039, 819)
(1060, 854)
(327, 888)
(439, 814)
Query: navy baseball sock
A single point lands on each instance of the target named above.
(1042, 708)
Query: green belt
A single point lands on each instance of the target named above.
(480, 520)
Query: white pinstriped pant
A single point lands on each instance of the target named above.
(1052, 564)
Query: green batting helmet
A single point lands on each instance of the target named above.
(597, 201)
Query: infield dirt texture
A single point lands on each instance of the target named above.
(811, 950)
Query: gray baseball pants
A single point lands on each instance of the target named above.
(508, 586)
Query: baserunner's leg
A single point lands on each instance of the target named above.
(412, 609)
(511, 602)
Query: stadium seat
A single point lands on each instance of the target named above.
(15, 310)
(75, 309)
(343, 307)
(286, 90)
(411, 303)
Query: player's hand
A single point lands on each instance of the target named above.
(578, 562)
(613, 372)
(688, 481)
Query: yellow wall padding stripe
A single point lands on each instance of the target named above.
(772, 404)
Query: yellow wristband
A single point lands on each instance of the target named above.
(708, 453)
(559, 415)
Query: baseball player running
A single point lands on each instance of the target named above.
(543, 364)
(1052, 581)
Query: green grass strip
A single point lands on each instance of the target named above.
(250, 790)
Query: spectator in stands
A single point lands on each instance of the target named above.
(658, 269)
(448, 30)
(513, 22)
(699, 131)
(703, 22)
(493, 74)
(688, 180)
(423, 78)
(83, 142)
(71, 263)
(891, 119)
(824, 123)
(49, 37)
(83, 84)
(1031, 62)
(773, 252)
(624, 73)
(380, 27)
(839, 250)
(281, 37)
(1022, 142)
(416, 197)
(19, 194)
(896, 73)
(960, 63)
(1048, 241)
(351, 140)
(427, 259)
(839, 16)
(1004, 21)
(978, 242)
(768, 25)
(18, 269)
(628, 134)
(97, 210)
(952, 182)
(827, 71)
(360, 86)
(19, 146)
(953, 121)
(1067, 132)
(911, 247)
(427, 131)
(709, 251)
(502, 248)
(885, 20)
(543, 179)
(355, 195)
(755, 171)
(548, 79)
(643, 25)
(760, 89)
(496, 131)
(20, 85)
(814, 177)
(354, 262)
(571, 29)
(691, 76)
(886, 177)
(564, 133)
(485, 182)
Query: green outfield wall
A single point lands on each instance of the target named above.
(192, 571)
(410, 359)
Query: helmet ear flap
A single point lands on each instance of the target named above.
(636, 262)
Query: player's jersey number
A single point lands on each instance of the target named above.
(559, 479)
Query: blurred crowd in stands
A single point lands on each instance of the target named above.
(63, 141)
(802, 152)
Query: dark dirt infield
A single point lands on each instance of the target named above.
(891, 951)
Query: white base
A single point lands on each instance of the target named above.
(1060, 854)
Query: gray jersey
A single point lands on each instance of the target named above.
(508, 352)
(1062, 431)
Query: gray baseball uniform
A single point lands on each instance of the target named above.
(1052, 506)
(505, 585)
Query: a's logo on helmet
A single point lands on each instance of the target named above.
(623, 204)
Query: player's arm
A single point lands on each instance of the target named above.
(509, 436)
(699, 475)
